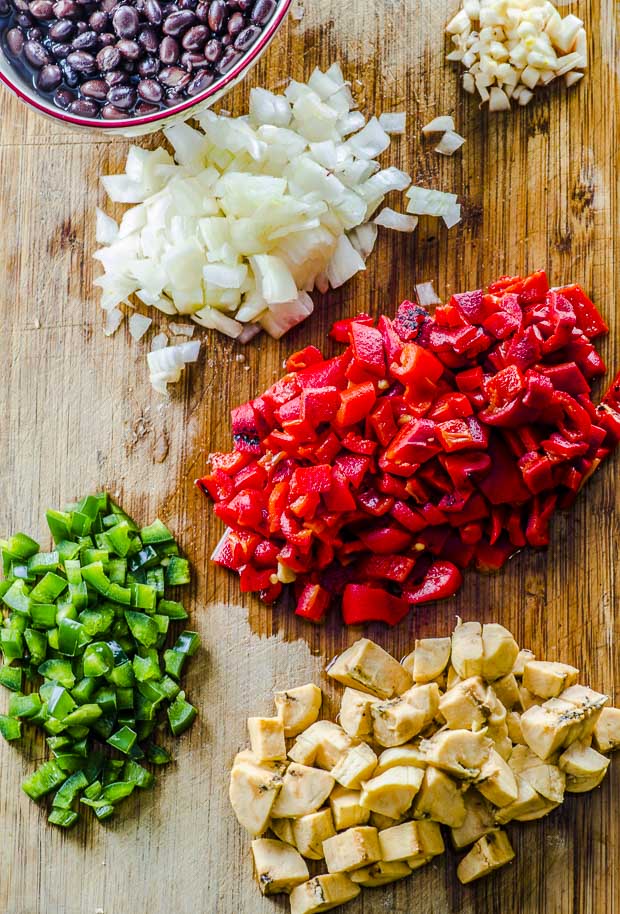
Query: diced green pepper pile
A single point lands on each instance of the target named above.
(91, 619)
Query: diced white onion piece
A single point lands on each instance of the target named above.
(267, 108)
(121, 189)
(113, 321)
(248, 333)
(526, 96)
(344, 264)
(394, 123)
(400, 222)
(181, 329)
(449, 143)
(571, 78)
(499, 100)
(370, 141)
(138, 325)
(159, 342)
(426, 294)
(363, 239)
(439, 124)
(274, 281)
(106, 228)
(223, 276)
(351, 122)
(452, 216)
(282, 317)
(426, 202)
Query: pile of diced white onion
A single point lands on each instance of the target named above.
(512, 47)
(254, 212)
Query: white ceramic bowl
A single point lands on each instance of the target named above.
(137, 126)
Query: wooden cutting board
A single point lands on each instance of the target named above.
(540, 189)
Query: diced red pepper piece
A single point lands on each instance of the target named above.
(493, 557)
(359, 445)
(353, 468)
(312, 603)
(310, 355)
(392, 342)
(355, 404)
(229, 463)
(503, 480)
(265, 555)
(408, 517)
(330, 373)
(537, 472)
(382, 422)
(462, 434)
(367, 345)
(306, 480)
(537, 532)
(252, 579)
(588, 317)
(409, 320)
(319, 404)
(450, 406)
(442, 580)
(384, 540)
(388, 567)
(248, 429)
(218, 485)
(373, 503)
(339, 499)
(341, 329)
(566, 377)
(470, 380)
(470, 305)
(364, 603)
(415, 443)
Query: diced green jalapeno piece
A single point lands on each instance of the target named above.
(84, 716)
(10, 728)
(94, 575)
(65, 818)
(52, 638)
(96, 621)
(70, 762)
(124, 699)
(147, 667)
(66, 796)
(105, 697)
(60, 704)
(12, 644)
(142, 627)
(172, 609)
(59, 671)
(36, 642)
(169, 687)
(143, 596)
(78, 594)
(59, 744)
(84, 690)
(11, 677)
(177, 571)
(138, 775)
(71, 637)
(117, 571)
(22, 546)
(173, 662)
(73, 570)
(155, 579)
(145, 558)
(67, 550)
(49, 588)
(181, 714)
(122, 676)
(46, 778)
(43, 561)
(157, 532)
(98, 659)
(43, 615)
(104, 812)
(17, 622)
(80, 523)
(59, 523)
(17, 597)
(157, 755)
(93, 791)
(187, 643)
(121, 536)
(24, 705)
(119, 594)
(123, 740)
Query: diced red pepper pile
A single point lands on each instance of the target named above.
(431, 444)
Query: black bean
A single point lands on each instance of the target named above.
(116, 78)
(195, 38)
(213, 50)
(186, 4)
(107, 39)
(72, 77)
(169, 50)
(108, 59)
(246, 38)
(41, 9)
(122, 96)
(110, 113)
(81, 27)
(86, 40)
(202, 12)
(62, 30)
(150, 91)
(109, 6)
(98, 21)
(36, 55)
(21, 5)
(95, 88)
(152, 11)
(126, 22)
(84, 107)
(177, 23)
(149, 39)
(191, 60)
(128, 66)
(217, 13)
(245, 5)
(15, 41)
(200, 82)
(226, 41)
(34, 34)
(63, 98)
(66, 9)
(82, 61)
(147, 67)
(143, 108)
(172, 76)
(49, 78)
(23, 20)
(60, 50)
(229, 59)
(129, 49)
(236, 24)
(263, 11)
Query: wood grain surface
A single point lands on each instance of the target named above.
(540, 189)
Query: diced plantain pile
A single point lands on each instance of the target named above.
(469, 732)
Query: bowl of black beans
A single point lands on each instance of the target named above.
(130, 65)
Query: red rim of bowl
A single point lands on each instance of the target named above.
(246, 61)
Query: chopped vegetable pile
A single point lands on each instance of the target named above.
(510, 48)
(429, 445)
(467, 734)
(255, 212)
(91, 619)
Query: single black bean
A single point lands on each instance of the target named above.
(98, 21)
(149, 39)
(36, 55)
(217, 13)
(246, 38)
(81, 27)
(108, 59)
(200, 82)
(202, 12)
(84, 107)
(122, 96)
(172, 76)
(169, 50)
(213, 50)
(48, 78)
(229, 59)
(107, 39)
(152, 11)
(191, 60)
(95, 88)
(15, 41)
(82, 61)
(195, 38)
(150, 91)
(143, 108)
(86, 40)
(60, 49)
(116, 78)
(62, 30)
(235, 25)
(226, 41)
(148, 67)
(263, 11)
(72, 77)
(177, 23)
(41, 9)
(21, 5)
(24, 20)
(63, 98)
(66, 9)
(110, 113)
(126, 22)
(130, 50)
